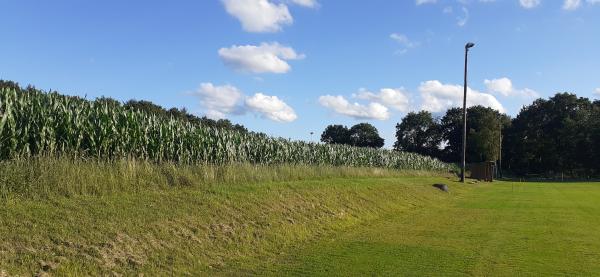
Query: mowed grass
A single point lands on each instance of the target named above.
(500, 229)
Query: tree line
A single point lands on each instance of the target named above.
(361, 135)
(441, 137)
(555, 136)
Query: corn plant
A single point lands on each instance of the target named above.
(34, 123)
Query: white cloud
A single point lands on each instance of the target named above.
(219, 100)
(404, 42)
(259, 15)
(340, 105)
(597, 91)
(504, 87)
(306, 3)
(403, 39)
(265, 58)
(438, 97)
(462, 21)
(571, 5)
(529, 4)
(391, 98)
(271, 107)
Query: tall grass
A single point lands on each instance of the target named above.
(43, 177)
(34, 123)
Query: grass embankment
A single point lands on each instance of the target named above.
(86, 218)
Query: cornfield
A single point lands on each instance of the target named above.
(34, 123)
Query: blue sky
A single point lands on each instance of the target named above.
(291, 67)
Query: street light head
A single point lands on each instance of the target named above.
(469, 45)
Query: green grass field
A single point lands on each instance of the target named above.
(345, 222)
(504, 229)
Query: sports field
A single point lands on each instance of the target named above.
(504, 229)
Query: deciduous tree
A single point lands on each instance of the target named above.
(419, 133)
(336, 134)
(365, 135)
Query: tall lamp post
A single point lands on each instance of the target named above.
(464, 142)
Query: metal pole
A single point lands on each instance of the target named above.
(464, 142)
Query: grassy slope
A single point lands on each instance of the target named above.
(90, 219)
(131, 218)
(505, 229)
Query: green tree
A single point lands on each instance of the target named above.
(336, 134)
(553, 136)
(451, 129)
(418, 133)
(110, 102)
(594, 128)
(484, 127)
(10, 85)
(146, 106)
(365, 135)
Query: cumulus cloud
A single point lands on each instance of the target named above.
(597, 92)
(340, 105)
(259, 15)
(271, 107)
(571, 5)
(306, 3)
(504, 87)
(265, 58)
(219, 100)
(392, 98)
(437, 97)
(529, 4)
